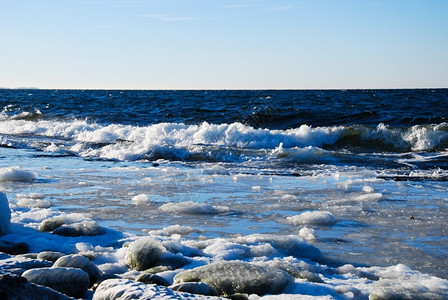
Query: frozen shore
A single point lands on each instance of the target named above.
(167, 264)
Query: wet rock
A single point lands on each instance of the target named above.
(5, 215)
(144, 253)
(84, 228)
(13, 248)
(195, 288)
(173, 261)
(80, 262)
(128, 289)
(50, 255)
(69, 281)
(51, 224)
(17, 265)
(158, 269)
(230, 278)
(16, 287)
(150, 278)
(294, 269)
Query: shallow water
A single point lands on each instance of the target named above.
(377, 222)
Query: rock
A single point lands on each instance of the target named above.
(128, 289)
(149, 278)
(84, 228)
(69, 281)
(294, 269)
(230, 278)
(16, 287)
(159, 269)
(13, 248)
(5, 215)
(144, 253)
(50, 255)
(80, 262)
(51, 224)
(195, 288)
(17, 265)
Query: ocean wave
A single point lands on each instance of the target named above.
(217, 142)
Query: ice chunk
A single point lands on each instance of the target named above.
(229, 278)
(287, 245)
(194, 208)
(307, 234)
(312, 217)
(400, 282)
(5, 215)
(140, 199)
(16, 174)
(32, 200)
(368, 197)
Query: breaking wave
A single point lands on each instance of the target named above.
(216, 142)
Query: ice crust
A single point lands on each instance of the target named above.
(285, 267)
(16, 174)
(5, 215)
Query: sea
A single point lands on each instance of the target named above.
(361, 175)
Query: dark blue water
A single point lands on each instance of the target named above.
(372, 128)
(277, 109)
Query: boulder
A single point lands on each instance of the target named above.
(80, 262)
(230, 278)
(144, 253)
(19, 264)
(69, 281)
(84, 228)
(50, 255)
(14, 248)
(51, 224)
(16, 287)
(5, 215)
(198, 288)
(150, 278)
(128, 289)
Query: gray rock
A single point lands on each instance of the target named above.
(50, 255)
(195, 288)
(51, 224)
(17, 265)
(230, 278)
(296, 270)
(18, 288)
(144, 253)
(13, 248)
(80, 262)
(128, 289)
(84, 228)
(149, 278)
(70, 281)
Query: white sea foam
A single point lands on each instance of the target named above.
(225, 142)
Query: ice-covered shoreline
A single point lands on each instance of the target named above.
(303, 271)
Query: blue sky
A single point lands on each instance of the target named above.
(224, 44)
